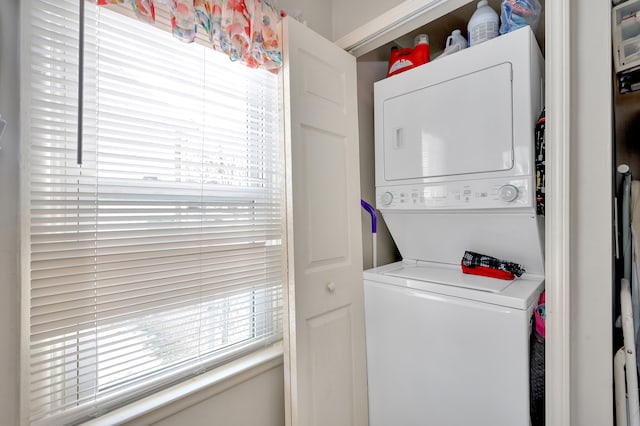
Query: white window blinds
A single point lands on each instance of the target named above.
(161, 255)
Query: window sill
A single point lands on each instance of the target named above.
(179, 397)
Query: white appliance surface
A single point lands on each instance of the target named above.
(449, 280)
(424, 138)
(455, 157)
(447, 355)
(455, 171)
(443, 236)
(467, 116)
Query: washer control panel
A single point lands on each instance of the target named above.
(481, 194)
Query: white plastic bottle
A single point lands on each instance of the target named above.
(455, 42)
(483, 25)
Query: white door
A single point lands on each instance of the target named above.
(325, 381)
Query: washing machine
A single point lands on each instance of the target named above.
(455, 171)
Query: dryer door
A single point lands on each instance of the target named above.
(459, 126)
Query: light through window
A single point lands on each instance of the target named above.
(161, 256)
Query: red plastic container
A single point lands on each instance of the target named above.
(407, 58)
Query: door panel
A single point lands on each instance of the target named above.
(326, 196)
(332, 395)
(321, 80)
(324, 338)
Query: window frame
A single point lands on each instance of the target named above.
(271, 351)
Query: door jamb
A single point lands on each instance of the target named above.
(558, 213)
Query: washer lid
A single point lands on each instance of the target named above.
(446, 279)
(444, 236)
(450, 276)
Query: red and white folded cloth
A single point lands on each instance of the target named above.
(481, 264)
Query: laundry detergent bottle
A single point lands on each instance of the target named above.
(483, 25)
(407, 58)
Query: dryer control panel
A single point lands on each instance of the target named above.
(480, 194)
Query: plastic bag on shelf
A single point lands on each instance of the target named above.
(515, 14)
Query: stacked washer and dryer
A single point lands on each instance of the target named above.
(455, 171)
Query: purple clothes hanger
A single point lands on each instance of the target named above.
(374, 228)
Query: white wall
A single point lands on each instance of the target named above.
(333, 19)
(256, 402)
(351, 14)
(371, 70)
(591, 153)
(9, 302)
(317, 14)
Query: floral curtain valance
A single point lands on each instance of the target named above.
(246, 30)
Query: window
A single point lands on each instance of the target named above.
(160, 256)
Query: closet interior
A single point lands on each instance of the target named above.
(626, 161)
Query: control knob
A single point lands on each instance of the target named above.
(508, 193)
(386, 198)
